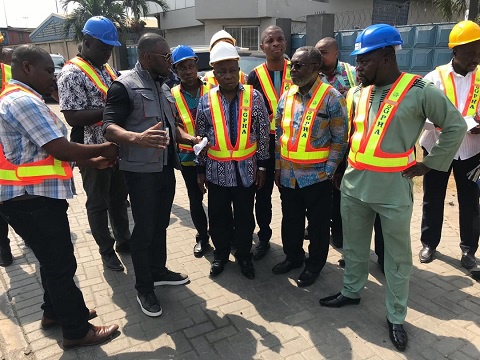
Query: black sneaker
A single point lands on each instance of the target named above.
(170, 278)
(149, 304)
(111, 261)
(6, 257)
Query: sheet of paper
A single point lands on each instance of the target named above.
(471, 123)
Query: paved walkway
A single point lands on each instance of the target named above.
(231, 317)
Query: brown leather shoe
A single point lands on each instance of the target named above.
(48, 323)
(95, 335)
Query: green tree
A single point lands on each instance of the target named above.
(115, 10)
(454, 8)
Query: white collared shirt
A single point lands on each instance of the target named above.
(471, 143)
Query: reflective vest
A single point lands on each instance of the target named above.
(34, 172)
(223, 150)
(365, 144)
(473, 97)
(350, 108)
(269, 89)
(350, 70)
(184, 112)
(6, 74)
(92, 74)
(209, 77)
(300, 149)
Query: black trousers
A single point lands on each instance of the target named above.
(230, 214)
(43, 224)
(263, 197)
(106, 197)
(151, 198)
(313, 201)
(434, 191)
(4, 240)
(195, 198)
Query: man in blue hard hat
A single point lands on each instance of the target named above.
(389, 116)
(187, 95)
(83, 84)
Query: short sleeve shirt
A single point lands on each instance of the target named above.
(77, 92)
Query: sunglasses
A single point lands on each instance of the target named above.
(299, 65)
(166, 57)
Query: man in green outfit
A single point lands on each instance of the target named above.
(381, 165)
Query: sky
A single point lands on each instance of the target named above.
(27, 13)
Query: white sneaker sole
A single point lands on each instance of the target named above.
(148, 313)
(166, 282)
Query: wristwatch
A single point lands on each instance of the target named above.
(329, 175)
(262, 168)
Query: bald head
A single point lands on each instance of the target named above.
(148, 42)
(271, 29)
(328, 47)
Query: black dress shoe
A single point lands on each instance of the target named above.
(468, 261)
(261, 250)
(247, 269)
(307, 278)
(476, 274)
(217, 267)
(338, 300)
(398, 335)
(306, 235)
(6, 257)
(285, 266)
(200, 248)
(426, 254)
(341, 263)
(111, 261)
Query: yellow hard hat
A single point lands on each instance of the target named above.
(1, 38)
(463, 33)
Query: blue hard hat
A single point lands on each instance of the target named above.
(102, 29)
(376, 37)
(183, 52)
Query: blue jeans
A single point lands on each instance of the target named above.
(151, 198)
(43, 224)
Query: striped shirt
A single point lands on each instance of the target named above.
(330, 128)
(26, 125)
(471, 143)
(230, 173)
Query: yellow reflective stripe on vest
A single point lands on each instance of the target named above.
(300, 150)
(41, 170)
(6, 75)
(92, 74)
(184, 112)
(473, 97)
(223, 149)
(351, 78)
(365, 150)
(269, 89)
(349, 101)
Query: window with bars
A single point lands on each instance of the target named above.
(246, 36)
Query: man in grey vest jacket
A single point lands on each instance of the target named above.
(140, 116)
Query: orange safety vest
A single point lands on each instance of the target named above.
(92, 74)
(350, 112)
(184, 112)
(223, 149)
(34, 172)
(269, 89)
(6, 74)
(365, 145)
(473, 97)
(209, 77)
(300, 150)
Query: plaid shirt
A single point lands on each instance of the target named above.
(224, 173)
(330, 128)
(26, 125)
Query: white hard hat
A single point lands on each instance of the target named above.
(219, 35)
(223, 51)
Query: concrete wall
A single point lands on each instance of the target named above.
(335, 6)
(186, 36)
(179, 19)
(213, 9)
(294, 8)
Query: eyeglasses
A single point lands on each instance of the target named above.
(299, 65)
(166, 57)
